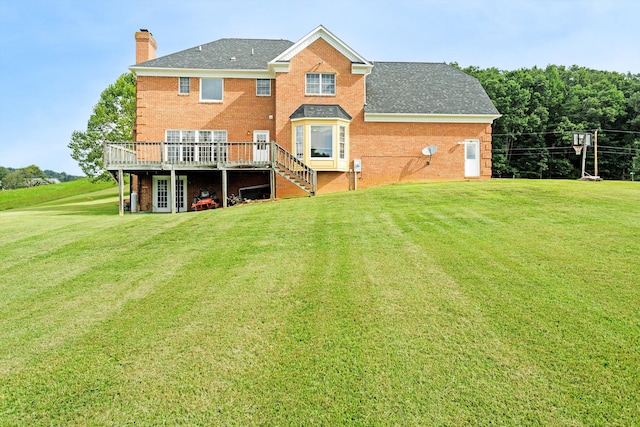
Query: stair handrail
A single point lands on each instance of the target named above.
(284, 160)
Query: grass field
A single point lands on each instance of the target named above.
(468, 303)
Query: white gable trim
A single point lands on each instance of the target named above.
(430, 118)
(327, 36)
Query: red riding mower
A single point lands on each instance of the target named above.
(204, 201)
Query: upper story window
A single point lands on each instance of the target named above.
(184, 85)
(320, 84)
(263, 87)
(211, 90)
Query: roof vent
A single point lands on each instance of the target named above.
(233, 58)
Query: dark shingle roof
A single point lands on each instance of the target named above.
(249, 54)
(424, 88)
(320, 111)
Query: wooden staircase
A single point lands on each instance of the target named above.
(295, 171)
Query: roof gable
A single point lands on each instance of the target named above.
(361, 65)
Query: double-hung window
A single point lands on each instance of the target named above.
(342, 142)
(211, 90)
(184, 85)
(299, 142)
(263, 87)
(320, 84)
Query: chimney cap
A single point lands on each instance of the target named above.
(144, 30)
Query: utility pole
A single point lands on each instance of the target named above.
(595, 152)
(584, 159)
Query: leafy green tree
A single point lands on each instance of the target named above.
(112, 121)
(3, 172)
(541, 108)
(23, 177)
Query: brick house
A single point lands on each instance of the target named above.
(273, 118)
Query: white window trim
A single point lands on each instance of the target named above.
(263, 94)
(212, 101)
(180, 86)
(306, 91)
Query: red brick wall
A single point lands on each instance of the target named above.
(159, 108)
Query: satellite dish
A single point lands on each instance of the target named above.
(430, 150)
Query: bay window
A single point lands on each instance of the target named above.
(321, 142)
(299, 142)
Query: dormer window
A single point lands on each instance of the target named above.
(320, 84)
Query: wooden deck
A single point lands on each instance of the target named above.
(136, 157)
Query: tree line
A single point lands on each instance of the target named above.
(541, 108)
(30, 176)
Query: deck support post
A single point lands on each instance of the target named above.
(225, 190)
(172, 190)
(120, 192)
(272, 181)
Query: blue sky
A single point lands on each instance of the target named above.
(57, 56)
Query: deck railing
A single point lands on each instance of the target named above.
(208, 155)
(123, 155)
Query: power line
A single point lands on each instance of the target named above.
(619, 131)
(561, 132)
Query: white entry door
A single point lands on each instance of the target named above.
(161, 195)
(261, 146)
(472, 157)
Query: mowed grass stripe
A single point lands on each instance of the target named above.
(551, 310)
(413, 304)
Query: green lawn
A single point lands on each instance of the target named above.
(467, 303)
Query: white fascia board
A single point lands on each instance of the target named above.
(194, 72)
(430, 118)
(327, 36)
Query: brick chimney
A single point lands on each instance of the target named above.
(145, 46)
